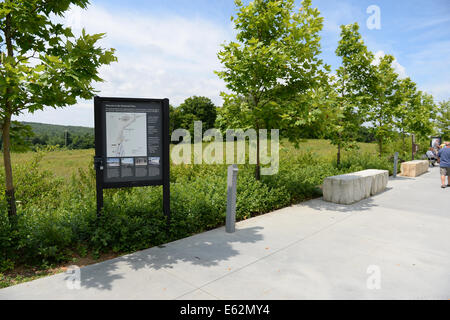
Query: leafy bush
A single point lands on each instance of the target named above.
(301, 176)
(360, 162)
(132, 220)
(6, 239)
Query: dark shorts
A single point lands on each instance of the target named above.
(445, 171)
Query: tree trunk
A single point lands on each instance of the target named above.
(8, 169)
(9, 192)
(380, 144)
(339, 155)
(403, 141)
(258, 163)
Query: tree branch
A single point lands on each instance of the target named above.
(25, 58)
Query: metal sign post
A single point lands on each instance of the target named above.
(395, 164)
(231, 199)
(132, 146)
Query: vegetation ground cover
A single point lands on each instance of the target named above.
(57, 219)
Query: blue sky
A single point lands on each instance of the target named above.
(168, 48)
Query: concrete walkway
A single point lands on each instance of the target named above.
(399, 239)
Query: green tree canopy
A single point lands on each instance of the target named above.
(383, 100)
(42, 64)
(348, 96)
(195, 109)
(275, 58)
(443, 120)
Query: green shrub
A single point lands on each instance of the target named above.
(301, 176)
(6, 241)
(360, 162)
(131, 220)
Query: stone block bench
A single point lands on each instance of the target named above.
(354, 187)
(414, 168)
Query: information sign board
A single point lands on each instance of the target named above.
(131, 144)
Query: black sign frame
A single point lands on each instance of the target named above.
(101, 156)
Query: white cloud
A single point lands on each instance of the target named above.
(159, 57)
(439, 90)
(80, 115)
(401, 70)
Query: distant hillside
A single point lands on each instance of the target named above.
(53, 129)
(72, 137)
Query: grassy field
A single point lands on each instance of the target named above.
(64, 163)
(61, 163)
(324, 149)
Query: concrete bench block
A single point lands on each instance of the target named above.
(354, 187)
(346, 189)
(414, 168)
(380, 179)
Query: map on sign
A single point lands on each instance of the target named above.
(126, 134)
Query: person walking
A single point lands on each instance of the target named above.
(444, 158)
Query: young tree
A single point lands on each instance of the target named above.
(350, 87)
(443, 120)
(235, 113)
(275, 57)
(343, 119)
(302, 116)
(423, 115)
(408, 99)
(42, 65)
(196, 109)
(305, 115)
(175, 121)
(415, 111)
(383, 100)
